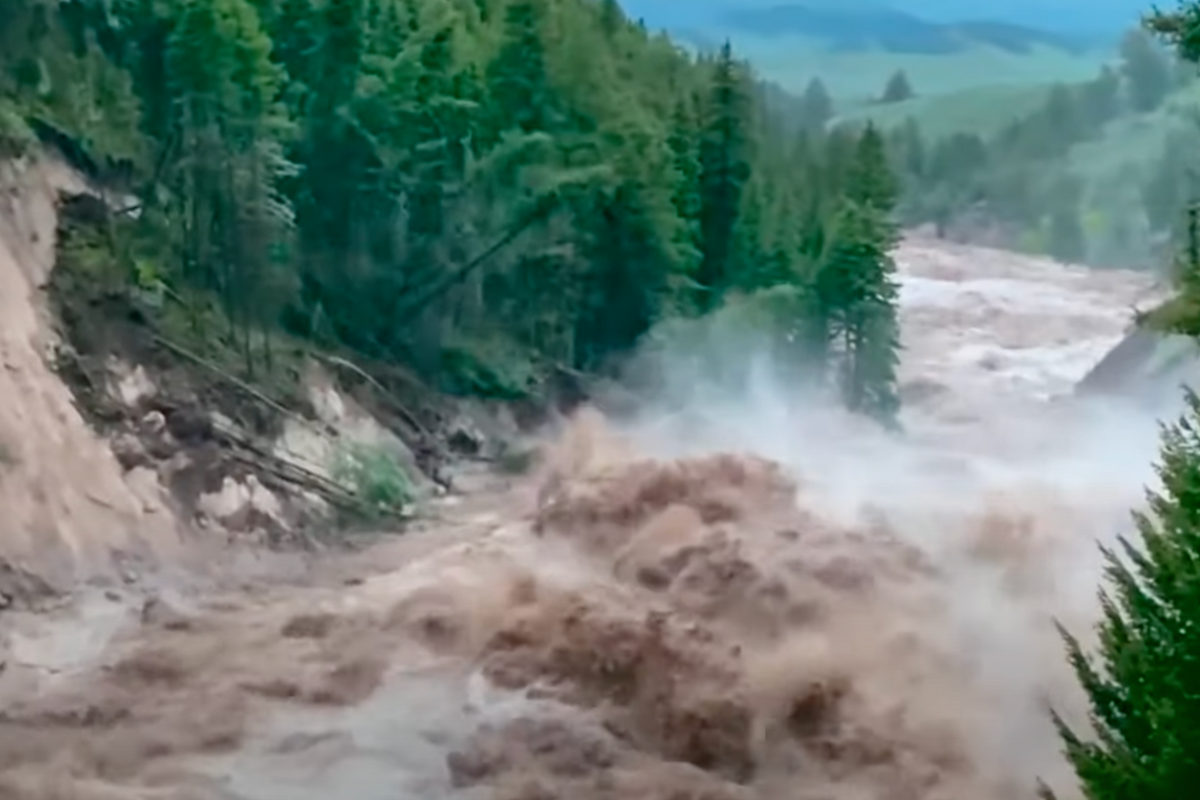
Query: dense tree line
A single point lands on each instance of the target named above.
(1021, 182)
(1019, 187)
(481, 189)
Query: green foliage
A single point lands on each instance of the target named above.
(1148, 73)
(481, 191)
(857, 292)
(898, 89)
(16, 137)
(816, 106)
(1143, 682)
(491, 368)
(377, 478)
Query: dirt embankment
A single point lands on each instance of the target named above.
(67, 507)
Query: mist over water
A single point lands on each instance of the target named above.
(1004, 480)
(731, 592)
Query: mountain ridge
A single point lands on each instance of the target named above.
(868, 25)
(1048, 20)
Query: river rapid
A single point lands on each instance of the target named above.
(740, 595)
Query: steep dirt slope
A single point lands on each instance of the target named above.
(66, 507)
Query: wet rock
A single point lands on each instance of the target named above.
(162, 613)
(240, 506)
(130, 452)
(464, 436)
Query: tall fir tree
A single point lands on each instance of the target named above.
(1143, 682)
(856, 288)
(517, 76)
(816, 106)
(898, 89)
(724, 170)
(1146, 70)
(857, 294)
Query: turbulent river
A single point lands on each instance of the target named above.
(739, 595)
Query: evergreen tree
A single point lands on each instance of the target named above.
(898, 89)
(1101, 98)
(1143, 683)
(857, 294)
(870, 180)
(724, 171)
(517, 76)
(856, 288)
(1146, 69)
(1064, 123)
(816, 106)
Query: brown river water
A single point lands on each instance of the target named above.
(736, 594)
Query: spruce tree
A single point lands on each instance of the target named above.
(870, 181)
(724, 171)
(857, 295)
(816, 106)
(517, 75)
(1143, 681)
(898, 89)
(1146, 69)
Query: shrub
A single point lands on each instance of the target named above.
(377, 478)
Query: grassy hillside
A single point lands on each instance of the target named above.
(1121, 151)
(982, 109)
(794, 60)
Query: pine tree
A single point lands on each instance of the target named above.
(816, 106)
(870, 181)
(1143, 682)
(857, 295)
(724, 169)
(685, 195)
(1146, 69)
(898, 89)
(1101, 98)
(517, 76)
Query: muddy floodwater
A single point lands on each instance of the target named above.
(753, 597)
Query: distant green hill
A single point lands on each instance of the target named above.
(854, 45)
(854, 25)
(793, 61)
(981, 109)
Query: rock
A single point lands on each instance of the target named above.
(464, 436)
(229, 506)
(130, 385)
(241, 506)
(161, 613)
(154, 423)
(130, 452)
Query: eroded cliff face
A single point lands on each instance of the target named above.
(67, 508)
(1146, 368)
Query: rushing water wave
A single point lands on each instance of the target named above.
(746, 596)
